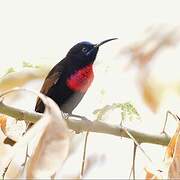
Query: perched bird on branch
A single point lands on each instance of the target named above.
(69, 79)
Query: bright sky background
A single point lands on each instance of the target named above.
(42, 31)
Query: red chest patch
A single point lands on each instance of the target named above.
(81, 79)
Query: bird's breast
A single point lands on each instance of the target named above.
(81, 79)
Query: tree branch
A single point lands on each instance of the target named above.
(87, 125)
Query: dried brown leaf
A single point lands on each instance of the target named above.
(52, 137)
(53, 145)
(152, 92)
(150, 174)
(3, 120)
(144, 51)
(11, 128)
(174, 169)
(171, 146)
(171, 166)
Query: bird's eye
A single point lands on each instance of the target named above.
(84, 50)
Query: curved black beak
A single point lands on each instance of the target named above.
(103, 42)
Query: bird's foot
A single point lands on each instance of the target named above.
(65, 115)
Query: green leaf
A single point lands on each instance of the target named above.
(127, 110)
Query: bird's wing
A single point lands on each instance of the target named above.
(50, 81)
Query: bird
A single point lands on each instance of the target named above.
(68, 81)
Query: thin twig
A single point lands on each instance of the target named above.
(24, 163)
(134, 160)
(133, 165)
(138, 145)
(167, 114)
(84, 155)
(26, 157)
(5, 170)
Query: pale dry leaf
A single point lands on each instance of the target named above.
(174, 169)
(20, 145)
(4, 151)
(19, 78)
(13, 128)
(53, 145)
(12, 170)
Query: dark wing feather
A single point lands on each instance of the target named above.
(48, 84)
(50, 81)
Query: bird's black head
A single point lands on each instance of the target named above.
(85, 52)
